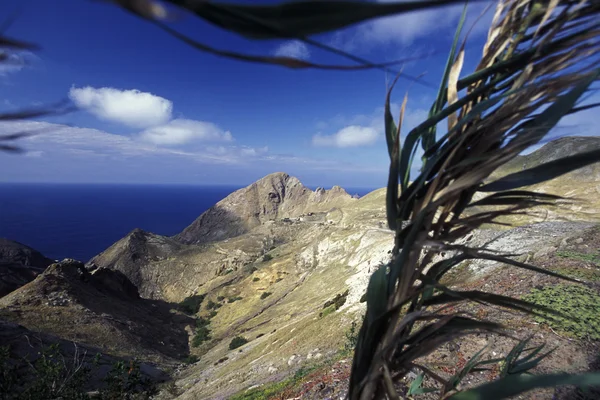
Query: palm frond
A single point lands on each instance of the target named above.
(540, 59)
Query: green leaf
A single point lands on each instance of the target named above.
(543, 172)
(460, 375)
(429, 136)
(415, 385)
(377, 294)
(516, 384)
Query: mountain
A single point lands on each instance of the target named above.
(285, 268)
(275, 196)
(562, 147)
(19, 264)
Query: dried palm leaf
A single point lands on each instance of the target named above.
(539, 60)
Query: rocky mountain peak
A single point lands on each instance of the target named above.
(274, 196)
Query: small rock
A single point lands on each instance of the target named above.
(272, 370)
(579, 240)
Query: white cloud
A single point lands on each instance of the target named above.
(364, 129)
(350, 136)
(293, 48)
(129, 107)
(405, 29)
(183, 131)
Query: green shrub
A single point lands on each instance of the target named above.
(267, 257)
(191, 304)
(255, 279)
(211, 305)
(234, 299)
(327, 311)
(236, 342)
(212, 314)
(574, 255)
(351, 338)
(202, 335)
(578, 302)
(220, 298)
(201, 322)
(338, 301)
(264, 295)
(191, 359)
(54, 376)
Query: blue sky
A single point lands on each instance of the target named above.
(154, 110)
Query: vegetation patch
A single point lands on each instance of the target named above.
(255, 279)
(271, 390)
(237, 341)
(338, 301)
(327, 311)
(580, 304)
(202, 333)
(586, 274)
(574, 255)
(234, 299)
(191, 359)
(211, 305)
(56, 377)
(267, 257)
(264, 295)
(191, 304)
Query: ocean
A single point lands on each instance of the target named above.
(79, 221)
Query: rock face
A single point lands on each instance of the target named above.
(19, 264)
(275, 196)
(131, 254)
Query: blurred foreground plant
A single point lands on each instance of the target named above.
(539, 59)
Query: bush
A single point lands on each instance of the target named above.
(191, 304)
(255, 279)
(56, 377)
(264, 295)
(578, 302)
(327, 311)
(191, 359)
(212, 314)
(234, 299)
(236, 342)
(267, 257)
(202, 335)
(338, 301)
(202, 332)
(220, 298)
(211, 305)
(351, 338)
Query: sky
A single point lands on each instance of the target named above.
(151, 109)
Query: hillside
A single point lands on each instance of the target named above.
(285, 268)
(19, 264)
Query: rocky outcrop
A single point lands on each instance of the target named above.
(275, 196)
(18, 253)
(101, 308)
(19, 264)
(131, 254)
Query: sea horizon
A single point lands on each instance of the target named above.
(80, 220)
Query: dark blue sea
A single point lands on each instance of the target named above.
(80, 221)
